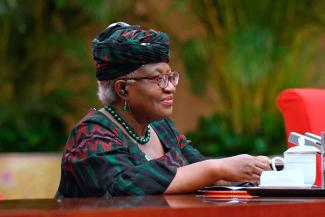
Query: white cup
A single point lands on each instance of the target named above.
(283, 178)
(298, 162)
(302, 158)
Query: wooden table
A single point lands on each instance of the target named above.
(165, 206)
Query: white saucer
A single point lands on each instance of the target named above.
(306, 186)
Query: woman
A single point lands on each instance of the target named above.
(131, 147)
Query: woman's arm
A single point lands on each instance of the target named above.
(238, 168)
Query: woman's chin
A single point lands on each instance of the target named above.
(163, 113)
(168, 111)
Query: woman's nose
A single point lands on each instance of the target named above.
(170, 87)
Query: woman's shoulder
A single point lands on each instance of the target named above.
(94, 123)
(94, 132)
(96, 118)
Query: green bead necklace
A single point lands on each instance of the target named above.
(137, 138)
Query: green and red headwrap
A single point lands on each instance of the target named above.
(123, 48)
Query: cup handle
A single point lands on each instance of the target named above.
(275, 159)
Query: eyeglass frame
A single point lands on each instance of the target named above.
(156, 77)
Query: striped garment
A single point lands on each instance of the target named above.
(100, 160)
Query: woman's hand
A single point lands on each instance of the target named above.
(241, 168)
(244, 168)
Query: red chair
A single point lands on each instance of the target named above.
(303, 110)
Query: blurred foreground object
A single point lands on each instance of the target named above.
(29, 175)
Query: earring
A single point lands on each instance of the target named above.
(125, 108)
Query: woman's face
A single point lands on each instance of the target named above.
(149, 102)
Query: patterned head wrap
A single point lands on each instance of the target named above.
(123, 48)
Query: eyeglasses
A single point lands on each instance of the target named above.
(161, 80)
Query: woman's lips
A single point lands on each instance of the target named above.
(167, 101)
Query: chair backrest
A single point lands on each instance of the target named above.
(303, 110)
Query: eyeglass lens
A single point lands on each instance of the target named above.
(164, 79)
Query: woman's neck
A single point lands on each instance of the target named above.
(138, 125)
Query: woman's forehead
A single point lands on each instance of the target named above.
(155, 68)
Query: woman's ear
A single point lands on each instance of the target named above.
(120, 88)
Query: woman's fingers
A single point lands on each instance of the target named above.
(252, 178)
(264, 159)
(257, 171)
(247, 168)
(254, 170)
(255, 179)
(262, 165)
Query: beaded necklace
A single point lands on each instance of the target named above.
(137, 138)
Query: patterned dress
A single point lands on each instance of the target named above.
(100, 160)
